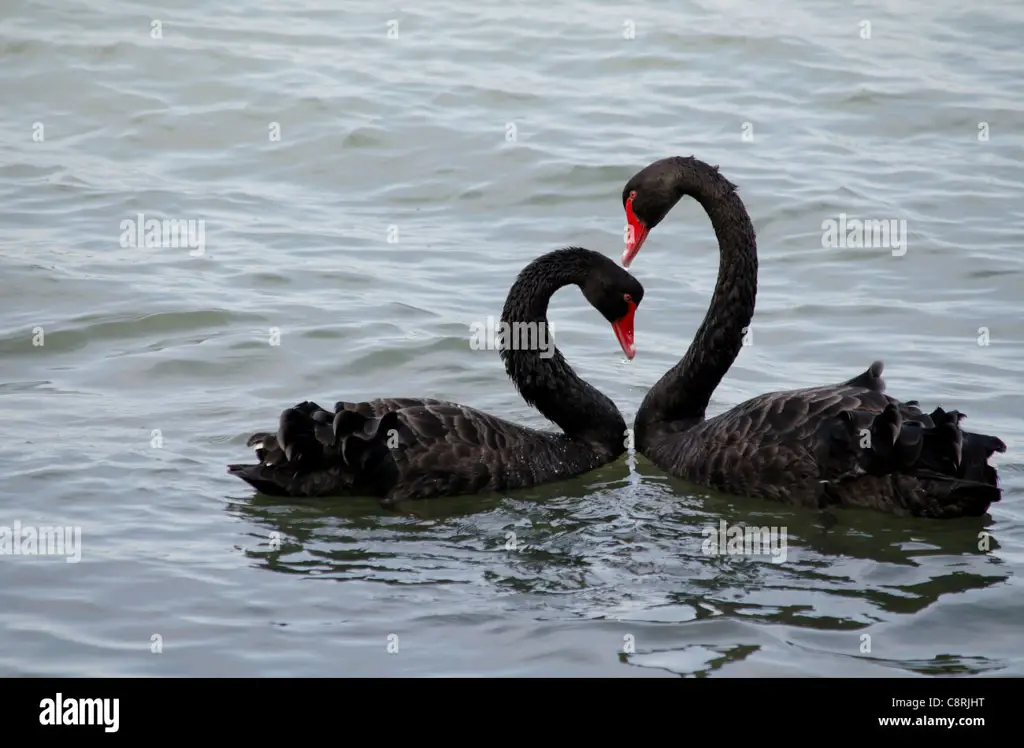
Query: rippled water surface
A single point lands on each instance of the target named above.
(370, 182)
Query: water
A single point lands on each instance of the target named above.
(476, 138)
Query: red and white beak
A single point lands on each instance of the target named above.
(636, 233)
(624, 332)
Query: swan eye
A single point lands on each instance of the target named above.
(632, 195)
(627, 298)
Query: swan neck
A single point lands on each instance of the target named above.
(684, 392)
(540, 373)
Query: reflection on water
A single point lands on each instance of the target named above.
(610, 548)
(701, 660)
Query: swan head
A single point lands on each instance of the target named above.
(616, 295)
(648, 197)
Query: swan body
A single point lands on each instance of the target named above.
(399, 449)
(848, 444)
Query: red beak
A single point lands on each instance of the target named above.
(624, 332)
(637, 233)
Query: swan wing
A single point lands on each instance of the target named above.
(397, 449)
(848, 444)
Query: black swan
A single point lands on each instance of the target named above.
(846, 444)
(399, 449)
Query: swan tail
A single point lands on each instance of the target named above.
(871, 379)
(317, 452)
(925, 465)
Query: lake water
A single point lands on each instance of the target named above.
(368, 184)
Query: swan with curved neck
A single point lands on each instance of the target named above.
(846, 444)
(399, 449)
